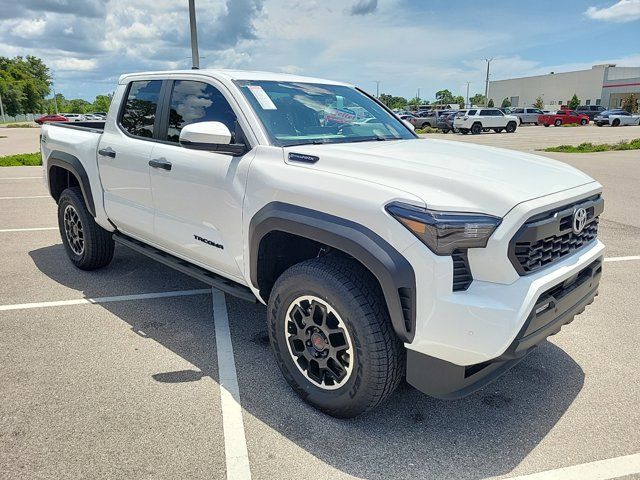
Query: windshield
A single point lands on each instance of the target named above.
(302, 113)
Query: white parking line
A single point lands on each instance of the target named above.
(20, 178)
(600, 470)
(97, 300)
(37, 229)
(25, 198)
(622, 259)
(235, 443)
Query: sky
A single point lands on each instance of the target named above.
(406, 45)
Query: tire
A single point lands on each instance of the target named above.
(616, 122)
(343, 291)
(87, 244)
(476, 128)
(498, 130)
(557, 123)
(511, 127)
(445, 130)
(583, 122)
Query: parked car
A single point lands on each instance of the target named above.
(562, 117)
(444, 260)
(603, 118)
(445, 121)
(477, 120)
(430, 118)
(74, 117)
(50, 118)
(622, 118)
(590, 110)
(527, 115)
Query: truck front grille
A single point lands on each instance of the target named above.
(549, 237)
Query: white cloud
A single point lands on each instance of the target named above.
(73, 64)
(623, 11)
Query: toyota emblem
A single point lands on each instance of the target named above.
(579, 220)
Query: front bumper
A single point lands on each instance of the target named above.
(555, 307)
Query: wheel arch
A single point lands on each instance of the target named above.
(64, 171)
(313, 230)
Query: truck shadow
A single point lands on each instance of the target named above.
(486, 434)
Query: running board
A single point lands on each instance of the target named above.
(183, 266)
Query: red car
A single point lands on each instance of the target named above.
(563, 116)
(50, 118)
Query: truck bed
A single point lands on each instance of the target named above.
(94, 126)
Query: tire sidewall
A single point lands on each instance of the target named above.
(67, 198)
(353, 395)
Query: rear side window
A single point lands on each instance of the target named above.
(139, 112)
(471, 112)
(193, 102)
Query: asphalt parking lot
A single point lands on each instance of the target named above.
(128, 372)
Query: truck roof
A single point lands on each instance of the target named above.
(230, 75)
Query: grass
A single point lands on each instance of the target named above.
(21, 159)
(589, 147)
(427, 130)
(20, 125)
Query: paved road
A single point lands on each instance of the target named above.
(19, 140)
(130, 387)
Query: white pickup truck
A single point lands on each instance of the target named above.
(381, 256)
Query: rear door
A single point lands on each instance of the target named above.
(123, 159)
(198, 201)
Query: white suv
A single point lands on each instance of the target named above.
(478, 120)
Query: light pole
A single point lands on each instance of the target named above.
(194, 36)
(467, 103)
(377, 88)
(486, 84)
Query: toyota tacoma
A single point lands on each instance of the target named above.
(381, 256)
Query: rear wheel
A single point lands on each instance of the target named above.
(332, 336)
(87, 244)
(511, 127)
(476, 128)
(557, 123)
(583, 122)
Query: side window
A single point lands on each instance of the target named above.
(497, 113)
(193, 102)
(139, 112)
(485, 113)
(471, 112)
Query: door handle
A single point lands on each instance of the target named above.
(107, 152)
(160, 163)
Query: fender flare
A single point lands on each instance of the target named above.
(74, 166)
(394, 272)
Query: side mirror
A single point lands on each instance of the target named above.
(409, 125)
(210, 136)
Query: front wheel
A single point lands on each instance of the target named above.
(557, 123)
(511, 127)
(87, 244)
(583, 122)
(332, 337)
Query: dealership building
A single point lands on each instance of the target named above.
(605, 85)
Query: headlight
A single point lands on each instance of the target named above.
(444, 232)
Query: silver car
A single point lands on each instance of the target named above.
(526, 115)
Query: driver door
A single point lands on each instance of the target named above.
(198, 194)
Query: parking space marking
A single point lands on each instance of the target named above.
(98, 300)
(600, 470)
(622, 259)
(36, 229)
(20, 178)
(25, 198)
(235, 442)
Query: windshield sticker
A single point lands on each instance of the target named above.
(341, 115)
(262, 97)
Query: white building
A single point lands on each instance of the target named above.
(606, 85)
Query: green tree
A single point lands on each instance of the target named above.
(491, 104)
(444, 96)
(102, 103)
(459, 100)
(506, 103)
(539, 103)
(76, 105)
(25, 82)
(477, 99)
(630, 104)
(415, 102)
(574, 102)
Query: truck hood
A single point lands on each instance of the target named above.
(448, 175)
